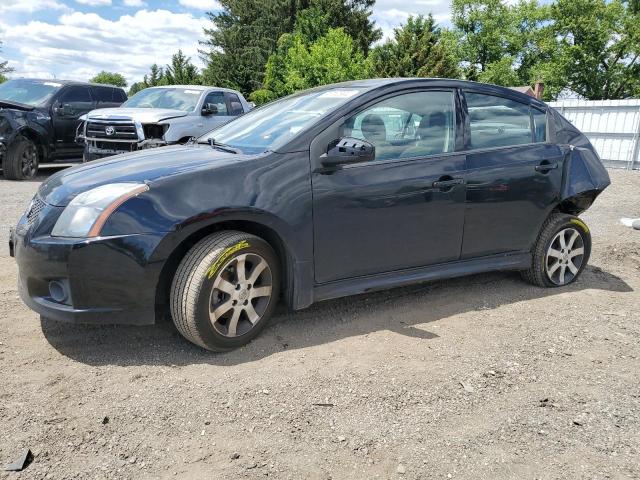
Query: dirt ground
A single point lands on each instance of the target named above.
(483, 377)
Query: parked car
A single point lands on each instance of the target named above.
(39, 118)
(334, 191)
(158, 116)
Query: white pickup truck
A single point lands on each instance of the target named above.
(158, 116)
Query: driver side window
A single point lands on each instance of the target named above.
(415, 124)
(217, 98)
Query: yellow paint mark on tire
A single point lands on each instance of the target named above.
(222, 259)
(580, 223)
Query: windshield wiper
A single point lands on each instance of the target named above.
(221, 146)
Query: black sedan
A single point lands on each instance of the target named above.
(334, 191)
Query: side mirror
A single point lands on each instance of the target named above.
(62, 109)
(348, 150)
(209, 109)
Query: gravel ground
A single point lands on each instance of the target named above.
(481, 377)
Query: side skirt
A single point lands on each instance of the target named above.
(399, 278)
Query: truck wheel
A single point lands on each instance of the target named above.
(224, 290)
(21, 160)
(560, 253)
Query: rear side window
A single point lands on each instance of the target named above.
(119, 96)
(497, 122)
(102, 94)
(539, 125)
(76, 95)
(234, 103)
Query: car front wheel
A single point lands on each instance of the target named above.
(224, 290)
(560, 253)
(21, 160)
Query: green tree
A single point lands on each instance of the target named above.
(245, 33)
(332, 58)
(4, 68)
(502, 43)
(181, 71)
(598, 49)
(136, 87)
(109, 78)
(418, 49)
(156, 77)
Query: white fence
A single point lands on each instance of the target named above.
(612, 126)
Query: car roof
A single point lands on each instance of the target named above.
(67, 82)
(376, 83)
(200, 88)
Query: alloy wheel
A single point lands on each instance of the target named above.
(564, 256)
(29, 161)
(240, 295)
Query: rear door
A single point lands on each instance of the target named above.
(234, 103)
(404, 209)
(73, 102)
(514, 174)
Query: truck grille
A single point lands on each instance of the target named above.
(34, 210)
(112, 130)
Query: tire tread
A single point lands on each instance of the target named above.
(187, 284)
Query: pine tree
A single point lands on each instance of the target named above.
(246, 32)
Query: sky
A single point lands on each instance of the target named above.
(75, 39)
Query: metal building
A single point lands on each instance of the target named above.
(612, 126)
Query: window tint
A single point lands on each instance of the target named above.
(217, 98)
(76, 95)
(539, 125)
(497, 122)
(234, 103)
(119, 96)
(410, 125)
(102, 94)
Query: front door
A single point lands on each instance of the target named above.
(514, 175)
(404, 209)
(222, 116)
(74, 101)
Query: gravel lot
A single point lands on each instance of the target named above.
(482, 377)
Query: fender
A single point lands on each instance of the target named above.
(27, 123)
(584, 178)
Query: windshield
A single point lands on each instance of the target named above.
(29, 92)
(271, 126)
(174, 98)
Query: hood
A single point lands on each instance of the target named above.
(144, 166)
(15, 105)
(142, 115)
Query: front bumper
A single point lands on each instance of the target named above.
(109, 280)
(92, 152)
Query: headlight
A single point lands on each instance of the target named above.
(87, 213)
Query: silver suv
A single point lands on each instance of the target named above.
(158, 116)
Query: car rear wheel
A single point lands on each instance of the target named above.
(21, 160)
(225, 290)
(561, 252)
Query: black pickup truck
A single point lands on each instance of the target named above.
(39, 118)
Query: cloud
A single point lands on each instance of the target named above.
(30, 6)
(82, 44)
(389, 14)
(95, 3)
(134, 3)
(201, 4)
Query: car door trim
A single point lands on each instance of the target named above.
(399, 278)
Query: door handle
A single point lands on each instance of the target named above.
(445, 184)
(546, 167)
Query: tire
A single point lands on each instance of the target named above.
(211, 305)
(560, 253)
(21, 160)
